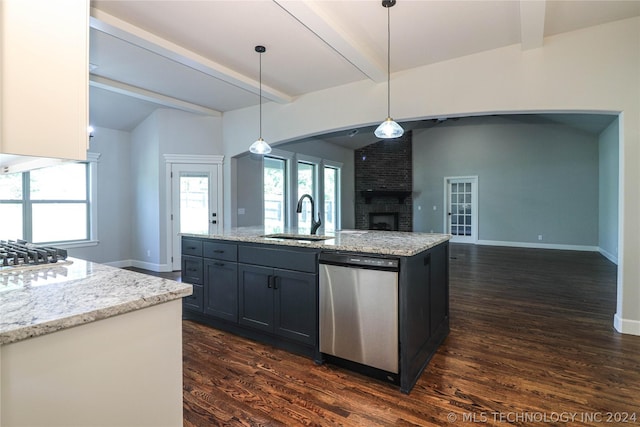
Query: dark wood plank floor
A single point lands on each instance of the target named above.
(531, 343)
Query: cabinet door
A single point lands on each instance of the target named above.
(295, 312)
(44, 81)
(255, 297)
(194, 302)
(439, 289)
(221, 289)
(192, 270)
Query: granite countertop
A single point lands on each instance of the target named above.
(398, 243)
(39, 301)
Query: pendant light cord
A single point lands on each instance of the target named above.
(388, 62)
(260, 85)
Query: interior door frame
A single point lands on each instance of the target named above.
(474, 208)
(171, 159)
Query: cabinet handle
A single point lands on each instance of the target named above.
(192, 269)
(427, 259)
(218, 251)
(275, 282)
(269, 282)
(219, 264)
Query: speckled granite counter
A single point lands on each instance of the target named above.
(40, 301)
(363, 241)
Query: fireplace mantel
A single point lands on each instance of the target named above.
(370, 194)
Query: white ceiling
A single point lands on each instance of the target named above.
(199, 55)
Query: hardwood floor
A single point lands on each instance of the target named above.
(531, 343)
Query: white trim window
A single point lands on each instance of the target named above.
(295, 175)
(331, 184)
(49, 205)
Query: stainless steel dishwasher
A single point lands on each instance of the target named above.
(359, 309)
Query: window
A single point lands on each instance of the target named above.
(275, 180)
(306, 185)
(331, 197)
(46, 205)
(288, 177)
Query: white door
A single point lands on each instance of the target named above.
(194, 203)
(461, 215)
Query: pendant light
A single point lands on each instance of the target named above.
(388, 128)
(260, 146)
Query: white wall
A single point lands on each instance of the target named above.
(534, 178)
(180, 132)
(114, 202)
(595, 69)
(145, 182)
(132, 190)
(608, 191)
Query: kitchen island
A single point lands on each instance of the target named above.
(266, 286)
(86, 344)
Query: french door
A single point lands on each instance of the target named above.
(461, 213)
(194, 203)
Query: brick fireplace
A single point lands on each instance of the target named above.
(383, 184)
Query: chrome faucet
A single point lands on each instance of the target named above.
(314, 224)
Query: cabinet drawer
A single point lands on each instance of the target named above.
(191, 246)
(223, 251)
(297, 259)
(195, 301)
(192, 270)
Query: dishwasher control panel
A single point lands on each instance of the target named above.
(356, 260)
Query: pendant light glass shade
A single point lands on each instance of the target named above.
(388, 129)
(260, 146)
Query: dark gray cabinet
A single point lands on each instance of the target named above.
(211, 268)
(269, 293)
(193, 273)
(278, 301)
(221, 289)
(263, 292)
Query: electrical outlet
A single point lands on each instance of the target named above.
(539, 236)
(435, 208)
(240, 211)
(148, 253)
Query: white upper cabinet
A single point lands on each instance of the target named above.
(44, 77)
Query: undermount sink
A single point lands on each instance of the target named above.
(303, 237)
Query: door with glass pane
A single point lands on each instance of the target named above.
(194, 203)
(462, 206)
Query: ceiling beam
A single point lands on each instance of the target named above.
(311, 15)
(115, 27)
(532, 15)
(145, 95)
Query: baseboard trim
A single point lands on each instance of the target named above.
(608, 255)
(158, 268)
(119, 264)
(539, 245)
(626, 326)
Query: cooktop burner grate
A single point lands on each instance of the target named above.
(15, 253)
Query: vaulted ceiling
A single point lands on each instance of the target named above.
(199, 56)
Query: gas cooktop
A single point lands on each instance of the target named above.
(19, 253)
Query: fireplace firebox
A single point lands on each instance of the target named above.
(387, 221)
